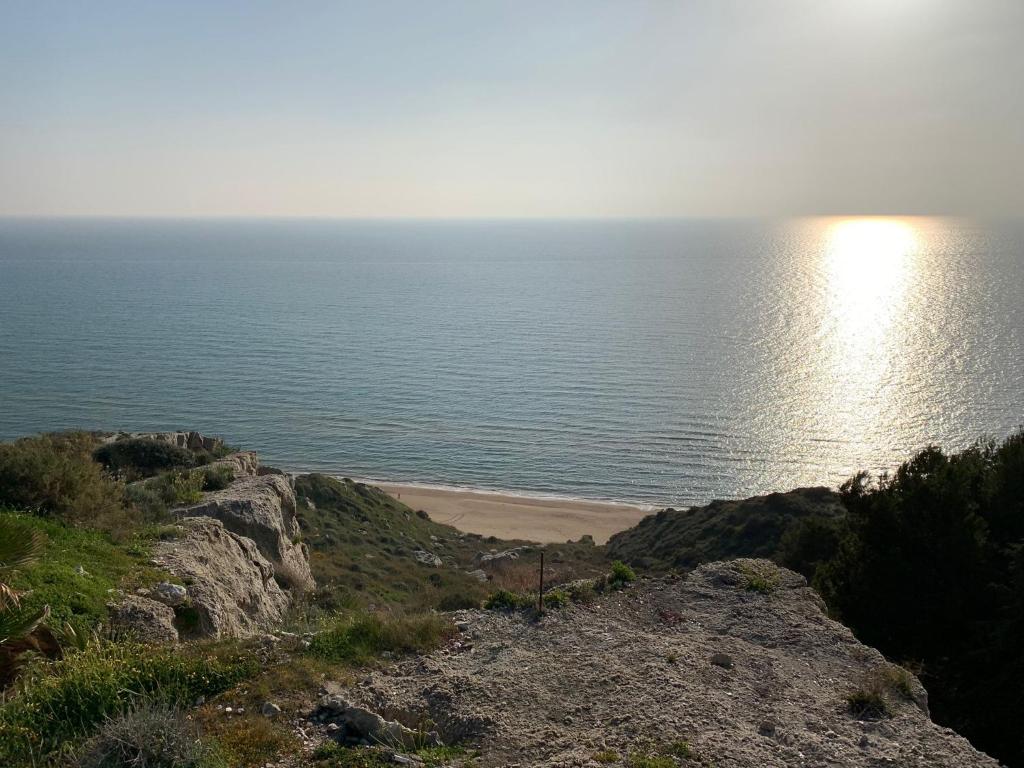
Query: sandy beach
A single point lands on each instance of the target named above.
(519, 517)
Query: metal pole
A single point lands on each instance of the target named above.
(540, 591)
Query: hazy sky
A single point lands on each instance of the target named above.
(479, 108)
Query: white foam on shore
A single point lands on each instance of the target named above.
(525, 495)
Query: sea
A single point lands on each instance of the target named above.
(664, 362)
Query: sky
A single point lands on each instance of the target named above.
(511, 109)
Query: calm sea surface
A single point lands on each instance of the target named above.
(665, 362)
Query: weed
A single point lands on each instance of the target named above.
(621, 575)
(763, 578)
(606, 756)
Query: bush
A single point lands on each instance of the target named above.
(154, 736)
(217, 478)
(505, 600)
(361, 638)
(64, 700)
(55, 475)
(621, 575)
(142, 457)
(556, 598)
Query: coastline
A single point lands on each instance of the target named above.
(540, 518)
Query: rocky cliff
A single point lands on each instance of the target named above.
(236, 557)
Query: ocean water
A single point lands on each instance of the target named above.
(666, 362)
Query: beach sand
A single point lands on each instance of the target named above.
(519, 517)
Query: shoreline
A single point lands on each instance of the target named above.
(533, 517)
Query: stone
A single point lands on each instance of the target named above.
(427, 558)
(498, 559)
(144, 619)
(170, 594)
(478, 574)
(270, 709)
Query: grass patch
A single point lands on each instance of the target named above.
(871, 699)
(762, 578)
(73, 596)
(362, 638)
(58, 703)
(251, 741)
(506, 600)
(605, 756)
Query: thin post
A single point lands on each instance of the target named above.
(540, 590)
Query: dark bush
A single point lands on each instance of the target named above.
(930, 569)
(142, 457)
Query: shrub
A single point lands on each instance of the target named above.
(55, 475)
(252, 740)
(763, 578)
(153, 736)
(504, 600)
(556, 598)
(621, 575)
(361, 638)
(217, 478)
(605, 756)
(64, 700)
(142, 457)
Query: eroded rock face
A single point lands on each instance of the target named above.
(143, 619)
(231, 587)
(263, 509)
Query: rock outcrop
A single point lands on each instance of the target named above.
(736, 666)
(262, 508)
(143, 619)
(192, 440)
(231, 587)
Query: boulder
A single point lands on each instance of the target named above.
(144, 619)
(262, 509)
(170, 594)
(499, 559)
(358, 724)
(241, 464)
(231, 586)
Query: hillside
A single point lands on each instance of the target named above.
(754, 527)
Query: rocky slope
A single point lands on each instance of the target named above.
(735, 665)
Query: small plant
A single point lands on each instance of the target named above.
(870, 699)
(505, 600)
(217, 478)
(151, 736)
(582, 592)
(20, 546)
(671, 658)
(362, 638)
(868, 703)
(252, 740)
(621, 575)
(556, 598)
(605, 756)
(760, 578)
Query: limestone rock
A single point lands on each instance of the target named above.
(242, 464)
(170, 594)
(263, 509)
(427, 558)
(231, 585)
(144, 619)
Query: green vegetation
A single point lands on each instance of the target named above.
(606, 756)
(20, 546)
(361, 638)
(76, 571)
(930, 567)
(760, 578)
(142, 457)
(621, 575)
(722, 530)
(55, 475)
(63, 701)
(506, 600)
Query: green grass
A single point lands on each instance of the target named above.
(73, 597)
(605, 756)
(763, 578)
(57, 704)
(360, 639)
